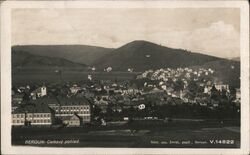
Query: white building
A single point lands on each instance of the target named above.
(207, 89)
(141, 106)
(34, 114)
(74, 89)
(71, 106)
(238, 94)
(39, 92)
(220, 87)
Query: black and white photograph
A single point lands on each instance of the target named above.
(137, 76)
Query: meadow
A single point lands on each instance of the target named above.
(166, 135)
(50, 76)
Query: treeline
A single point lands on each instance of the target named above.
(169, 111)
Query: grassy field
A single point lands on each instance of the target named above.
(172, 135)
(49, 76)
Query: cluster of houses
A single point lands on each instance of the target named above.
(44, 110)
(204, 78)
(168, 73)
(185, 74)
(73, 103)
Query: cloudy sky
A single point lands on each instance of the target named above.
(213, 31)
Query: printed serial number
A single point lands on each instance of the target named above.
(222, 141)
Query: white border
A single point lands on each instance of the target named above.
(6, 74)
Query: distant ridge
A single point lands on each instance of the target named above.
(139, 55)
(84, 54)
(22, 59)
(142, 55)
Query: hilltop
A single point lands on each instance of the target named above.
(142, 55)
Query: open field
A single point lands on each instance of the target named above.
(49, 76)
(171, 135)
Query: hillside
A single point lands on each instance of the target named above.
(227, 71)
(143, 55)
(236, 59)
(25, 60)
(139, 55)
(76, 53)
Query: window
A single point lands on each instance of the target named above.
(14, 121)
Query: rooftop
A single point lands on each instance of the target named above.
(62, 101)
(73, 101)
(33, 108)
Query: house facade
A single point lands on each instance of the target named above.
(72, 106)
(32, 114)
(73, 121)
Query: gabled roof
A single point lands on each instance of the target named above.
(77, 116)
(61, 100)
(38, 90)
(33, 108)
(64, 118)
(73, 101)
(45, 100)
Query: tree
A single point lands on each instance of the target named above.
(214, 93)
(178, 85)
(26, 96)
(96, 111)
(192, 89)
(232, 93)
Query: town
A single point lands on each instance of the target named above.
(163, 94)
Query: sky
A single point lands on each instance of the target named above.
(212, 31)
